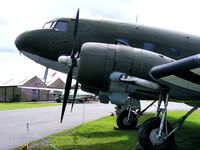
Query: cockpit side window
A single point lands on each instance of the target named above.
(60, 26)
(49, 25)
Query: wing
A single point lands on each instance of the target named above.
(184, 73)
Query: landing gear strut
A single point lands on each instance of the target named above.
(156, 133)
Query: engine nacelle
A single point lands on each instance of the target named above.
(99, 60)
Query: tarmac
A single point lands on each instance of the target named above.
(21, 126)
(18, 127)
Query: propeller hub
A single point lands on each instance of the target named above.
(65, 60)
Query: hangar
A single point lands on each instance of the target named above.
(57, 84)
(19, 90)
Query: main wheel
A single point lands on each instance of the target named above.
(148, 135)
(125, 124)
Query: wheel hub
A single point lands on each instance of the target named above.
(155, 139)
(127, 121)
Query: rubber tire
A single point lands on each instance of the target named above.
(120, 121)
(144, 135)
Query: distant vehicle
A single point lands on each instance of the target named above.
(81, 96)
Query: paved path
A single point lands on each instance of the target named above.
(44, 121)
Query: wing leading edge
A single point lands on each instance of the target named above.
(184, 73)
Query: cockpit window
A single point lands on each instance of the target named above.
(60, 26)
(49, 25)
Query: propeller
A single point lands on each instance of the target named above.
(71, 67)
(74, 96)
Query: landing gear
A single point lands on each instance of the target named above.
(149, 135)
(156, 133)
(126, 120)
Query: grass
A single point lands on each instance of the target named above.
(188, 136)
(23, 105)
(99, 135)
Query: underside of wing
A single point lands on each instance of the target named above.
(184, 73)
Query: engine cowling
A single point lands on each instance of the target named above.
(98, 60)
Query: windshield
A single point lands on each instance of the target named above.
(60, 26)
(56, 25)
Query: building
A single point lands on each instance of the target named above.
(25, 90)
(57, 84)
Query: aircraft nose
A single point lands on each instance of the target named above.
(21, 42)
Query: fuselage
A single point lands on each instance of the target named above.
(45, 45)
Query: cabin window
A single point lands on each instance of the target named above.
(60, 26)
(149, 46)
(174, 52)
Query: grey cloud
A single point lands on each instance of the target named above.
(115, 9)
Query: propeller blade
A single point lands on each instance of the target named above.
(76, 25)
(75, 34)
(67, 90)
(74, 96)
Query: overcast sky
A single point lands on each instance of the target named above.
(21, 15)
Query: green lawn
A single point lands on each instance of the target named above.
(19, 105)
(99, 135)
